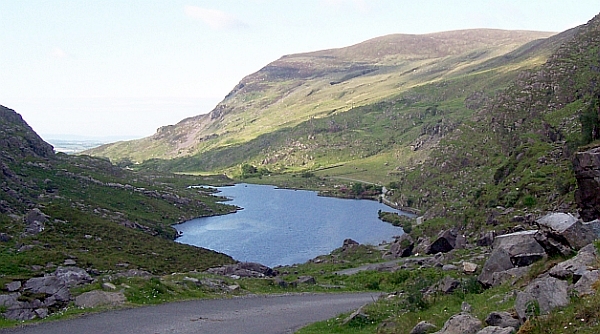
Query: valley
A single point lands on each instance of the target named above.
(491, 136)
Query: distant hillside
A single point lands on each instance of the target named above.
(55, 207)
(314, 85)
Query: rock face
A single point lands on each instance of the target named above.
(576, 266)
(587, 172)
(541, 295)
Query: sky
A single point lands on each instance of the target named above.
(120, 69)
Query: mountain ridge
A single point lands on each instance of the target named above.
(274, 96)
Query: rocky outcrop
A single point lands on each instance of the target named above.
(586, 166)
(39, 296)
(502, 319)
(423, 327)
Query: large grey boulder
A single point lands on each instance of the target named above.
(561, 233)
(446, 241)
(447, 285)
(510, 275)
(585, 285)
(543, 295)
(502, 319)
(73, 276)
(522, 247)
(423, 327)
(462, 323)
(97, 298)
(576, 266)
(498, 261)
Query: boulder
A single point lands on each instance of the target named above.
(563, 228)
(585, 285)
(423, 327)
(111, 287)
(462, 323)
(304, 280)
(35, 221)
(449, 267)
(522, 247)
(576, 266)
(401, 247)
(469, 267)
(358, 315)
(54, 288)
(543, 295)
(510, 275)
(498, 261)
(586, 166)
(73, 276)
(496, 330)
(5, 237)
(422, 245)
(502, 319)
(13, 286)
(97, 298)
(487, 239)
(446, 241)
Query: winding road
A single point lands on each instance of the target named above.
(257, 314)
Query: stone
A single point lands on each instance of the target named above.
(447, 285)
(585, 285)
(73, 276)
(191, 279)
(401, 247)
(5, 237)
(13, 286)
(576, 266)
(565, 229)
(522, 247)
(502, 319)
(305, 280)
(498, 261)
(109, 286)
(462, 323)
(469, 267)
(466, 307)
(280, 282)
(547, 293)
(357, 315)
(97, 298)
(35, 221)
(48, 285)
(510, 275)
(449, 267)
(446, 241)
(41, 312)
(423, 327)
(421, 245)
(497, 330)
(70, 262)
(487, 239)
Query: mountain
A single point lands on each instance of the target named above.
(57, 207)
(315, 85)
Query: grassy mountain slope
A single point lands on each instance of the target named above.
(300, 87)
(103, 217)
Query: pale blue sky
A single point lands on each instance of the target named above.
(125, 67)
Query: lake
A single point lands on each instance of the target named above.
(283, 226)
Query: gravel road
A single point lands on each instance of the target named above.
(258, 314)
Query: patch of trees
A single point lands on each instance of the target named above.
(248, 170)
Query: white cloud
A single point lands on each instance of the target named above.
(215, 19)
(58, 53)
(360, 5)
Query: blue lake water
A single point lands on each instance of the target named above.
(282, 226)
